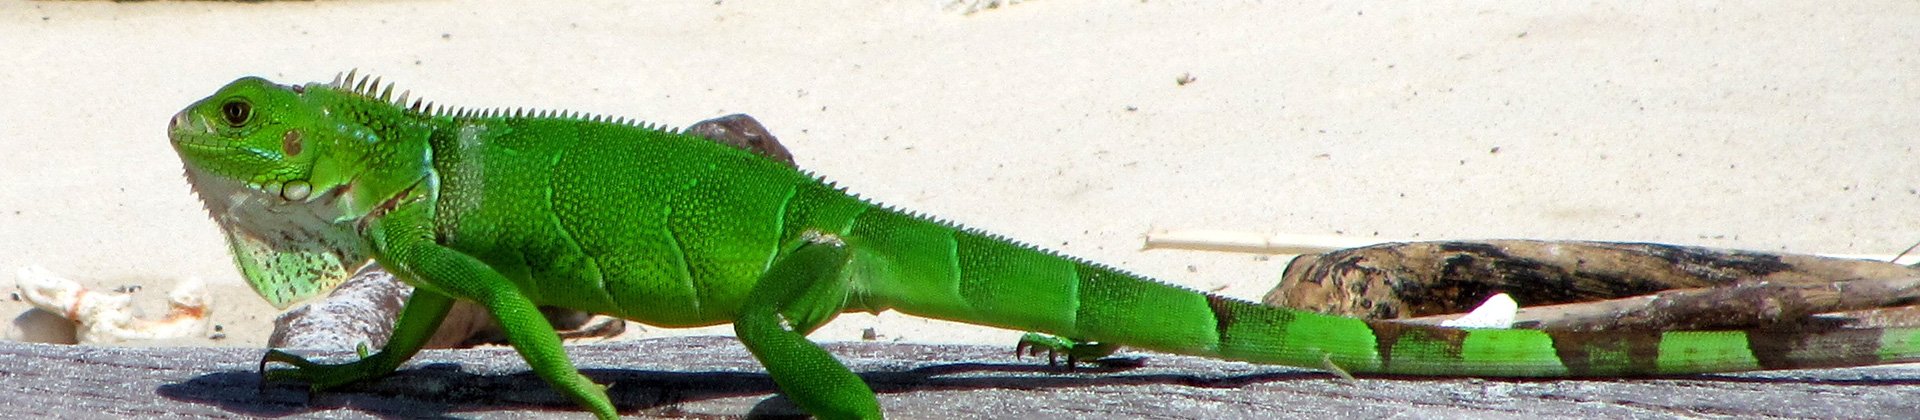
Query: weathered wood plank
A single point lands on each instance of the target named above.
(713, 376)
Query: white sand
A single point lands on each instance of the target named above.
(1780, 127)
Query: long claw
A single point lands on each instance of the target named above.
(320, 376)
(275, 355)
(1074, 351)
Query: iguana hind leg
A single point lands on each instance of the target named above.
(798, 293)
(1075, 351)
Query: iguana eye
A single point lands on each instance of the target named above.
(236, 112)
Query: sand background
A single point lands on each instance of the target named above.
(1780, 126)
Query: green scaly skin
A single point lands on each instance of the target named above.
(517, 209)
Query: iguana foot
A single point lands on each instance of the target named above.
(1075, 352)
(319, 376)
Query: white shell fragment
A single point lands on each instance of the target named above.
(107, 316)
(1497, 312)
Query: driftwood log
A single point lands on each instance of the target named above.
(715, 377)
(1652, 286)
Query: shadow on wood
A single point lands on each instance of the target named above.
(714, 376)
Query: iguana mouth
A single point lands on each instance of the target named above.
(180, 118)
(183, 128)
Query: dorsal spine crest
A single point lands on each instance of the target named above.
(372, 88)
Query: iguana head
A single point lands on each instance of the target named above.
(288, 171)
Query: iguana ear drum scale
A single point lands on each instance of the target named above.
(517, 209)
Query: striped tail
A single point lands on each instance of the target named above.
(927, 268)
(1261, 334)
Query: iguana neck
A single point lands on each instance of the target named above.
(380, 153)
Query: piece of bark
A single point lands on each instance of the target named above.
(362, 311)
(716, 377)
(364, 308)
(1905, 316)
(359, 310)
(743, 132)
(1400, 280)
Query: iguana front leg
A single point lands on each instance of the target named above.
(418, 320)
(800, 292)
(526, 329)
(404, 243)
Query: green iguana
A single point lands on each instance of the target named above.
(517, 209)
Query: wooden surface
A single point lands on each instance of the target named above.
(714, 376)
